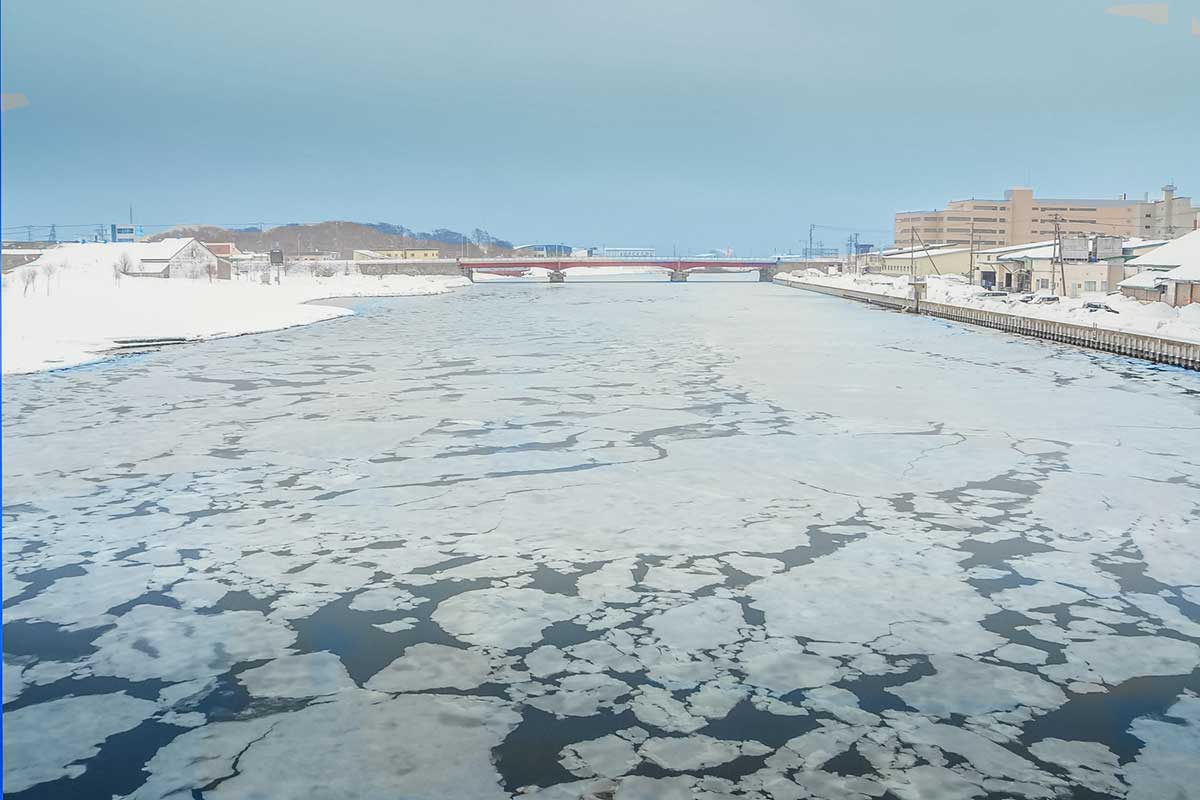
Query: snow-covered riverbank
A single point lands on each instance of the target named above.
(1155, 319)
(73, 315)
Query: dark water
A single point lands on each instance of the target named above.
(610, 539)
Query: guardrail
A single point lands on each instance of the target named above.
(1137, 345)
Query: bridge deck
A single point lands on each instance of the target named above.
(558, 264)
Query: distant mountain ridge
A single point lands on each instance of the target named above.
(343, 237)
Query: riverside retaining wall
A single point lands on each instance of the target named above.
(1137, 345)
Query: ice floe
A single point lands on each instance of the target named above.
(505, 617)
(306, 675)
(965, 686)
(151, 641)
(46, 741)
(432, 666)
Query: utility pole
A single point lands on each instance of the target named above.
(808, 255)
(926, 252)
(1058, 255)
(971, 274)
(912, 252)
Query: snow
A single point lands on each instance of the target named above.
(79, 311)
(1133, 316)
(1175, 253)
(1189, 271)
(1146, 279)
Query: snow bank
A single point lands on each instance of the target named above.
(79, 308)
(1133, 316)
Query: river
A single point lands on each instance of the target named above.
(632, 539)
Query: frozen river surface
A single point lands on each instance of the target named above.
(623, 540)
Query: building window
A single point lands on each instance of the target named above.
(1043, 283)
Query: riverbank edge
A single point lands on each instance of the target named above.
(132, 347)
(1147, 347)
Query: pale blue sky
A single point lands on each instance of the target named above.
(624, 122)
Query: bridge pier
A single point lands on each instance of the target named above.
(767, 274)
(470, 273)
(678, 275)
(557, 276)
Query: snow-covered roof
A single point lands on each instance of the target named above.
(1188, 273)
(1137, 243)
(105, 254)
(1147, 279)
(1042, 251)
(1048, 250)
(922, 252)
(1013, 248)
(24, 251)
(1175, 253)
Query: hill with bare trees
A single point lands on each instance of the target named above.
(345, 237)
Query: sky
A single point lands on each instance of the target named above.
(685, 126)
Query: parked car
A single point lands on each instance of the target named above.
(1094, 306)
(993, 294)
(1043, 299)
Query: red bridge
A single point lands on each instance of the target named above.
(678, 268)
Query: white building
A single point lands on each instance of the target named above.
(626, 252)
(1170, 273)
(169, 258)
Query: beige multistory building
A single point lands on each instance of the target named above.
(389, 255)
(1021, 218)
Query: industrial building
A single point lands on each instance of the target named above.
(1021, 218)
(543, 250)
(919, 261)
(393, 255)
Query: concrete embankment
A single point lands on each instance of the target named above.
(1136, 345)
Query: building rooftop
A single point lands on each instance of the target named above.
(1147, 279)
(1045, 250)
(1175, 253)
(1012, 248)
(922, 252)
